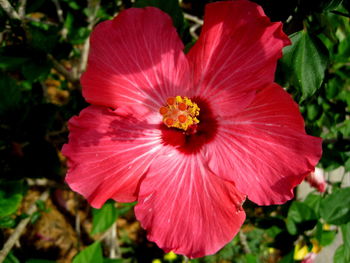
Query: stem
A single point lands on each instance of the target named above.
(193, 19)
(197, 24)
(77, 224)
(64, 31)
(10, 11)
(343, 177)
(20, 227)
(93, 6)
(340, 13)
(244, 243)
(61, 69)
(22, 8)
(114, 251)
(58, 10)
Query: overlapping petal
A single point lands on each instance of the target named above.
(135, 58)
(187, 209)
(235, 54)
(264, 148)
(109, 152)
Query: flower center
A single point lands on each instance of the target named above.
(197, 135)
(180, 112)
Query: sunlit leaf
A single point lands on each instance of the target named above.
(335, 208)
(11, 194)
(307, 60)
(345, 229)
(339, 255)
(313, 201)
(92, 253)
(103, 218)
(7, 222)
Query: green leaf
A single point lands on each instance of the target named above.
(33, 6)
(333, 87)
(345, 229)
(113, 260)
(36, 69)
(331, 4)
(42, 39)
(7, 222)
(10, 94)
(327, 238)
(11, 62)
(288, 258)
(39, 261)
(273, 231)
(103, 218)
(11, 194)
(339, 255)
(313, 201)
(78, 35)
(250, 258)
(35, 217)
(300, 218)
(68, 23)
(92, 253)
(11, 259)
(335, 208)
(170, 6)
(307, 59)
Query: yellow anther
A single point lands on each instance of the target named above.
(180, 112)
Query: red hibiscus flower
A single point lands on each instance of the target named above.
(188, 136)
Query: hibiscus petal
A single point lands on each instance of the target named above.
(108, 153)
(135, 58)
(235, 54)
(264, 149)
(186, 209)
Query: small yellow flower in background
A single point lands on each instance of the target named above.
(170, 256)
(316, 248)
(272, 250)
(156, 261)
(300, 251)
(326, 227)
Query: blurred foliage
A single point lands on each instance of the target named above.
(41, 59)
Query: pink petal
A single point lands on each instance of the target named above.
(186, 209)
(135, 58)
(264, 149)
(108, 153)
(310, 258)
(236, 54)
(317, 180)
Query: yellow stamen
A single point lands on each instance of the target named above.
(180, 112)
